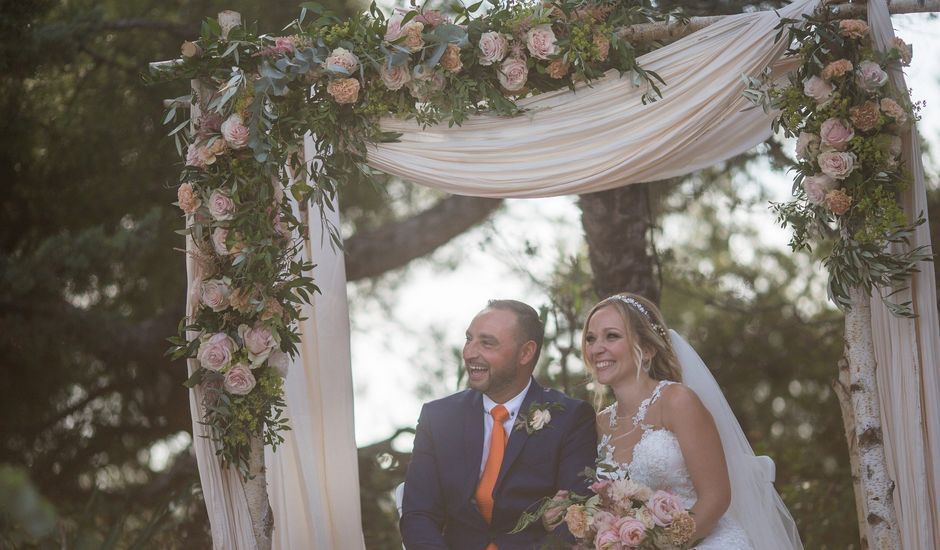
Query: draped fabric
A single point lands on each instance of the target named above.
(599, 137)
(908, 355)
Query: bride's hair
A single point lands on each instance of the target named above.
(646, 329)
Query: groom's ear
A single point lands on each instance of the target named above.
(527, 353)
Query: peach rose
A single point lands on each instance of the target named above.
(215, 352)
(240, 300)
(577, 520)
(395, 77)
(557, 69)
(817, 186)
(836, 164)
(836, 69)
(214, 294)
(493, 48)
(513, 74)
(259, 340)
(838, 201)
(662, 506)
(905, 52)
(682, 529)
(631, 532)
(807, 146)
(221, 205)
(344, 90)
(239, 380)
(622, 490)
(341, 61)
(540, 41)
(602, 43)
(891, 108)
(235, 132)
(818, 89)
(412, 33)
(187, 199)
(835, 134)
(450, 61)
(272, 309)
(853, 28)
(870, 76)
(865, 117)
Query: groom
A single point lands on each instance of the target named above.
(485, 455)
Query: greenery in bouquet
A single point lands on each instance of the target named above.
(620, 514)
(848, 120)
(241, 135)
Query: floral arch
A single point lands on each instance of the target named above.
(267, 344)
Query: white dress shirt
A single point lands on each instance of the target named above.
(512, 406)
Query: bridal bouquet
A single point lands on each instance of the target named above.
(620, 514)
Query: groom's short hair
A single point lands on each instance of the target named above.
(528, 321)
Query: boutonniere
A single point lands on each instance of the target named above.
(537, 417)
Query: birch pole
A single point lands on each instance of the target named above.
(877, 487)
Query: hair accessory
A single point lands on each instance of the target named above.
(660, 330)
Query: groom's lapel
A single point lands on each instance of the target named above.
(518, 436)
(473, 443)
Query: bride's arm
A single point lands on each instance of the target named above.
(687, 417)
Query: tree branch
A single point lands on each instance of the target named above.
(371, 253)
(180, 30)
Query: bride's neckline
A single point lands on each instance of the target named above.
(641, 410)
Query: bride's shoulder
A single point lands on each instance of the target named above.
(681, 402)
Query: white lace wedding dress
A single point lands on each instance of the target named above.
(657, 463)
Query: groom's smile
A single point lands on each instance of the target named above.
(492, 355)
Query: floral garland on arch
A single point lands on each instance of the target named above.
(848, 120)
(260, 94)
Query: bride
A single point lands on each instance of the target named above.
(670, 428)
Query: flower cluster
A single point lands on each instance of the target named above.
(621, 514)
(848, 120)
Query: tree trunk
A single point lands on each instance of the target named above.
(256, 492)
(841, 387)
(877, 487)
(616, 224)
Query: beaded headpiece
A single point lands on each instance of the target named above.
(635, 304)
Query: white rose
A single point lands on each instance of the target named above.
(341, 59)
(513, 73)
(836, 164)
(807, 146)
(493, 47)
(540, 419)
(218, 241)
(239, 380)
(540, 40)
(869, 76)
(396, 77)
(235, 132)
(818, 89)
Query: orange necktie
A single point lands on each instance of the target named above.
(484, 492)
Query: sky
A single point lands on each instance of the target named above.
(401, 345)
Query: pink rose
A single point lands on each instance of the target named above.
(284, 44)
(608, 540)
(396, 77)
(869, 76)
(513, 74)
(214, 294)
(600, 486)
(393, 28)
(219, 236)
(836, 164)
(235, 132)
(493, 48)
(425, 83)
(807, 146)
(341, 61)
(259, 341)
(835, 133)
(891, 108)
(239, 380)
(221, 206)
(603, 521)
(622, 490)
(215, 352)
(193, 158)
(187, 199)
(540, 41)
(817, 186)
(631, 532)
(662, 505)
(431, 18)
(818, 89)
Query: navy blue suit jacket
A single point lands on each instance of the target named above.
(439, 511)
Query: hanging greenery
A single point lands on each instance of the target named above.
(848, 120)
(261, 94)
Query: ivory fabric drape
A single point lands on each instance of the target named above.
(907, 352)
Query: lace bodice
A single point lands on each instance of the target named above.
(658, 463)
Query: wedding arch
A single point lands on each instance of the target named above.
(267, 345)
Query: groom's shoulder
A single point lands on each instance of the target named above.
(451, 401)
(555, 396)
